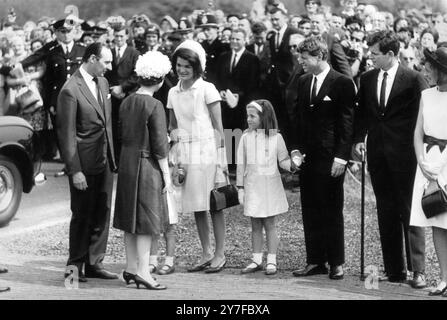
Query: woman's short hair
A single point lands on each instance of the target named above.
(149, 82)
(433, 32)
(314, 45)
(269, 123)
(191, 57)
(36, 40)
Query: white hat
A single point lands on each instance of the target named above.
(195, 47)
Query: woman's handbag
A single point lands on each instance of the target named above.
(434, 200)
(28, 99)
(224, 197)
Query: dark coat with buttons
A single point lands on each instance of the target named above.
(213, 51)
(59, 68)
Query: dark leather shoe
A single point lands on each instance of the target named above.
(398, 278)
(99, 273)
(81, 276)
(199, 267)
(217, 268)
(418, 281)
(336, 273)
(3, 270)
(4, 289)
(439, 291)
(311, 270)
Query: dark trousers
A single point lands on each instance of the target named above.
(116, 103)
(322, 208)
(393, 192)
(89, 225)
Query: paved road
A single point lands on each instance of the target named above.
(45, 205)
(33, 277)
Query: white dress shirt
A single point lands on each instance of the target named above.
(120, 50)
(320, 79)
(281, 34)
(258, 48)
(65, 46)
(89, 80)
(238, 57)
(389, 82)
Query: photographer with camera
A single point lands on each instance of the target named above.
(356, 52)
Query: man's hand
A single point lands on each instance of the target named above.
(223, 95)
(430, 170)
(79, 181)
(359, 147)
(53, 110)
(117, 92)
(337, 169)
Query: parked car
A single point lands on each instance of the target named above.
(19, 165)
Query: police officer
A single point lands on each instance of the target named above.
(212, 45)
(62, 57)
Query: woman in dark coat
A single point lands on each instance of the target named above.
(143, 175)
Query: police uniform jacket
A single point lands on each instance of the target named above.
(59, 67)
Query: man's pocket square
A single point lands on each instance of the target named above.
(109, 96)
(327, 98)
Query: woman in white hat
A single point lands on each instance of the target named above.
(195, 114)
(141, 208)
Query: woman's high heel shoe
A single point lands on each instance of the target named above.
(128, 277)
(140, 281)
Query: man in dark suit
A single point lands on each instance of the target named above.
(238, 71)
(281, 64)
(388, 104)
(62, 58)
(337, 57)
(85, 138)
(122, 78)
(291, 91)
(260, 47)
(325, 131)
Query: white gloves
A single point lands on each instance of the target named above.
(241, 195)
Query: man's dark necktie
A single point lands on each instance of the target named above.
(233, 64)
(313, 95)
(98, 94)
(118, 56)
(277, 41)
(382, 93)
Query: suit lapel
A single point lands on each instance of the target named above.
(326, 86)
(89, 96)
(398, 83)
(374, 87)
(241, 61)
(125, 54)
(307, 85)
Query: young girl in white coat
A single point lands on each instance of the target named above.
(261, 191)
